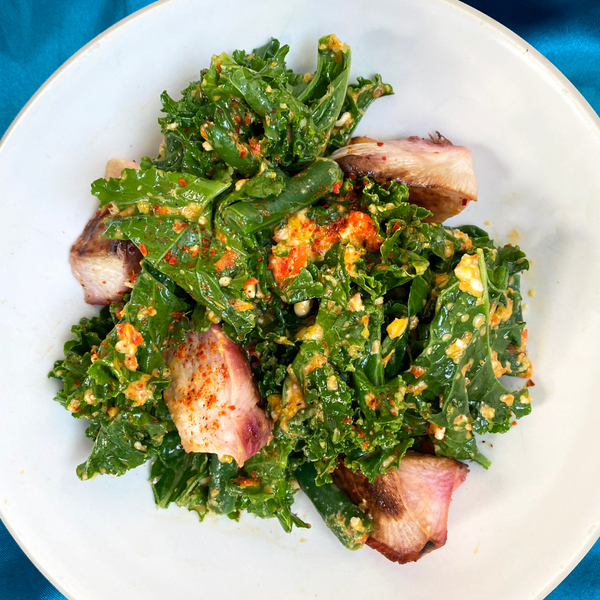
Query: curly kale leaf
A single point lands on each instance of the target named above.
(180, 477)
(72, 370)
(262, 486)
(358, 99)
(124, 441)
(114, 373)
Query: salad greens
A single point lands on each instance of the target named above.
(362, 345)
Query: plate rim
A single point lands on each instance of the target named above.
(500, 33)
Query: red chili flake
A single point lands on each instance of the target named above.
(254, 145)
(260, 259)
(464, 201)
(513, 423)
(352, 176)
(243, 152)
(336, 187)
(247, 119)
(231, 407)
(417, 371)
(169, 258)
(244, 482)
(212, 251)
(143, 250)
(136, 336)
(529, 383)
(227, 261)
(185, 130)
(182, 182)
(384, 158)
(380, 144)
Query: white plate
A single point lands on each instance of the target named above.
(515, 530)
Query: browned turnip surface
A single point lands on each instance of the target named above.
(409, 506)
(213, 399)
(104, 267)
(439, 175)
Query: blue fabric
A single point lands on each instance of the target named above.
(37, 36)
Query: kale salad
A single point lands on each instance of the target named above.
(369, 329)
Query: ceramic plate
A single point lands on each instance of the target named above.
(516, 530)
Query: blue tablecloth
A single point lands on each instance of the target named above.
(37, 36)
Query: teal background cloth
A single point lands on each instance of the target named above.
(37, 36)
